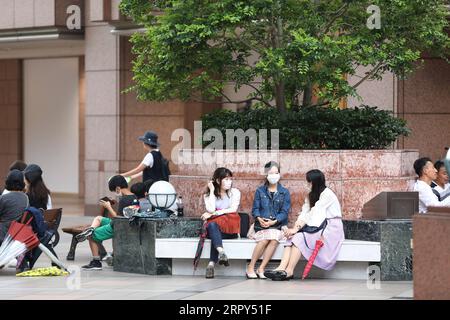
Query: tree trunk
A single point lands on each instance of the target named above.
(280, 97)
(307, 96)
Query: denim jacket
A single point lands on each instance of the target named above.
(276, 208)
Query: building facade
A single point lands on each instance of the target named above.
(64, 65)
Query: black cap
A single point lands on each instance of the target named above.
(150, 138)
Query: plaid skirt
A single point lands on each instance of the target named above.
(267, 234)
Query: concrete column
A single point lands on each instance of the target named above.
(102, 110)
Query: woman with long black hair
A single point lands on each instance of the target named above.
(37, 191)
(223, 221)
(320, 218)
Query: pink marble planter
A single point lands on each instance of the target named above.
(356, 176)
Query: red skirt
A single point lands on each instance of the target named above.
(228, 223)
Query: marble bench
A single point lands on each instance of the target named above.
(354, 257)
(167, 246)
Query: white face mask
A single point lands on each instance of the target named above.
(273, 178)
(227, 184)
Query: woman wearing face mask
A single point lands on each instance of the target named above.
(271, 207)
(223, 222)
(320, 218)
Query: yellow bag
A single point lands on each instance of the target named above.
(43, 272)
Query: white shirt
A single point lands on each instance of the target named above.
(148, 159)
(444, 192)
(5, 192)
(427, 198)
(327, 207)
(235, 199)
(49, 203)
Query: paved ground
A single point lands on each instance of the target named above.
(110, 285)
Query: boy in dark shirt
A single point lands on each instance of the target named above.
(101, 228)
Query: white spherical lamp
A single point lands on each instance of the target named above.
(162, 195)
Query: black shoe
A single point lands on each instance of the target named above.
(84, 235)
(280, 276)
(209, 272)
(223, 259)
(93, 265)
(270, 273)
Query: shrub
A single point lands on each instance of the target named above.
(362, 127)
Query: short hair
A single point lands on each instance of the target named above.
(138, 189)
(439, 164)
(419, 164)
(14, 181)
(117, 181)
(18, 165)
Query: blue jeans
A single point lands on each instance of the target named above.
(216, 237)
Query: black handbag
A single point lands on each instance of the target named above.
(310, 229)
(258, 226)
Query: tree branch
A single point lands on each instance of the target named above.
(339, 13)
(368, 75)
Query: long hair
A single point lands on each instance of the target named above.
(267, 168)
(219, 174)
(317, 179)
(38, 191)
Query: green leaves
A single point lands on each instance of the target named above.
(316, 128)
(195, 47)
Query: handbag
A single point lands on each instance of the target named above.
(258, 227)
(311, 229)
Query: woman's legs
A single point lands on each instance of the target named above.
(216, 241)
(293, 260)
(268, 253)
(257, 252)
(285, 260)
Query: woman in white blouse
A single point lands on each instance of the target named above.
(320, 218)
(223, 221)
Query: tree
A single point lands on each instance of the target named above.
(285, 50)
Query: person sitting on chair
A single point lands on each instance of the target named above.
(14, 203)
(320, 218)
(271, 206)
(101, 228)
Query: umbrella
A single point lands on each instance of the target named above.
(319, 244)
(201, 243)
(21, 239)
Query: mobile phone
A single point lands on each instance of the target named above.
(105, 199)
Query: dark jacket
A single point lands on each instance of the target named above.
(277, 208)
(155, 172)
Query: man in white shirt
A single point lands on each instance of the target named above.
(427, 173)
(440, 185)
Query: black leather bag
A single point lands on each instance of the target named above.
(258, 226)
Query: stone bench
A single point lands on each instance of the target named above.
(152, 248)
(353, 259)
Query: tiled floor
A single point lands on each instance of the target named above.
(110, 285)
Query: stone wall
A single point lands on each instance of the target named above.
(356, 176)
